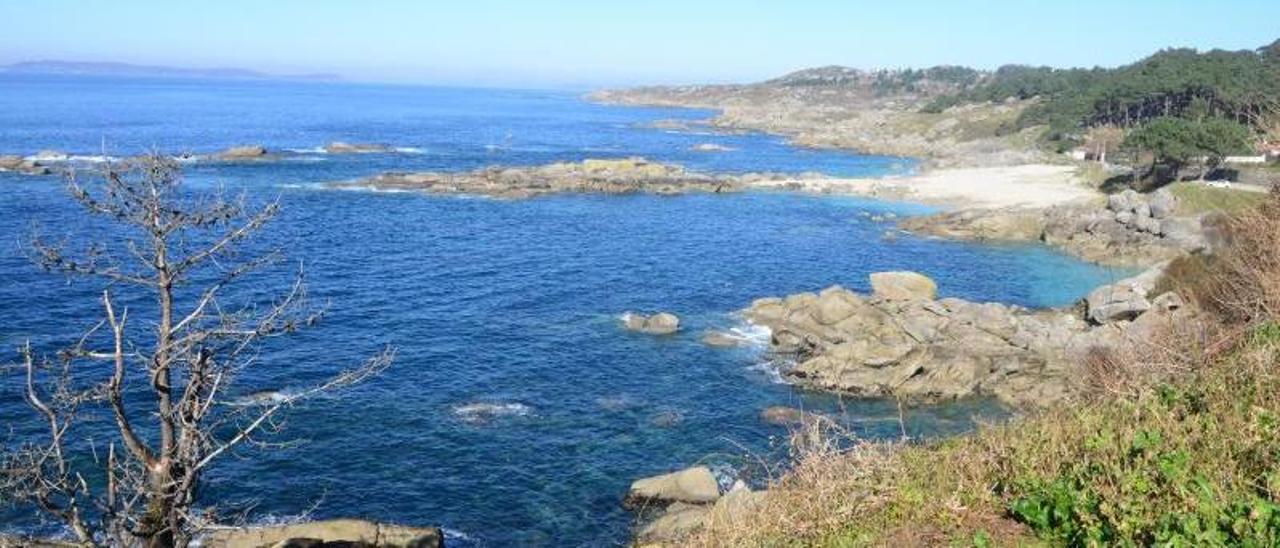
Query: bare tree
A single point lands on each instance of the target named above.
(164, 385)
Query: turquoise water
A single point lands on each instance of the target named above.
(508, 303)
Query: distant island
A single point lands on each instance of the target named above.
(88, 68)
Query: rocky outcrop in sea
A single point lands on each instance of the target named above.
(623, 176)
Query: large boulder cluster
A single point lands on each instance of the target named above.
(681, 502)
(914, 346)
(1130, 229)
(1133, 228)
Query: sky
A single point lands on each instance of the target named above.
(583, 44)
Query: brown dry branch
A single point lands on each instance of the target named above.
(182, 253)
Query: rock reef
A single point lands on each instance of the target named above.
(623, 176)
(338, 532)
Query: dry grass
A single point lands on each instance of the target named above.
(1177, 441)
(1196, 198)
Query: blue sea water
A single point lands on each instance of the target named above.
(513, 304)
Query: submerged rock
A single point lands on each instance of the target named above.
(667, 419)
(782, 416)
(486, 412)
(696, 485)
(339, 147)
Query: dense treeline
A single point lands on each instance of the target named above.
(1240, 86)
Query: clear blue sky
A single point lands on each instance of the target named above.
(611, 42)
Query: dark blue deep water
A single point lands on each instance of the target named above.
(511, 303)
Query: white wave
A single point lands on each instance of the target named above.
(262, 397)
(72, 158)
(750, 334)
(483, 412)
(770, 369)
(409, 150)
(455, 534)
(371, 189)
(312, 150)
(726, 475)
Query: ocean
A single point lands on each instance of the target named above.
(517, 411)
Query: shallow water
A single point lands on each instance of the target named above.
(517, 411)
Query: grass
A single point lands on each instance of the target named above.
(1175, 442)
(1195, 198)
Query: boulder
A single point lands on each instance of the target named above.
(662, 323)
(1119, 203)
(696, 485)
(1150, 225)
(1123, 300)
(1113, 303)
(338, 532)
(1163, 204)
(903, 286)
(678, 521)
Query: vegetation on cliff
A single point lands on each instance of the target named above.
(1175, 443)
(1241, 86)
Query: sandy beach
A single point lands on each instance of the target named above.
(1025, 186)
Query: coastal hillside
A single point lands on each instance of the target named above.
(1177, 105)
(881, 112)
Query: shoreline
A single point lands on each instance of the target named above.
(1025, 186)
